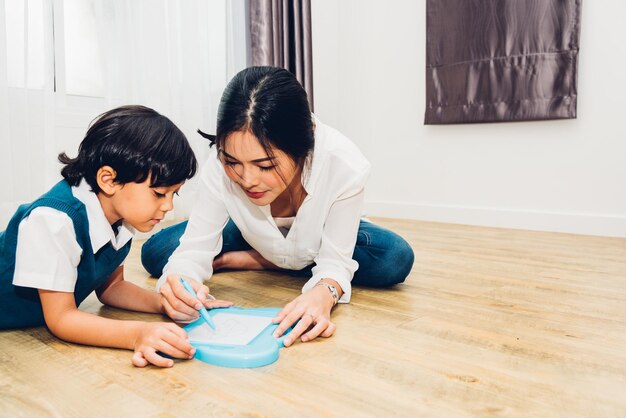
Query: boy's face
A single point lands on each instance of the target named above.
(139, 204)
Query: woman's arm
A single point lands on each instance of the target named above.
(334, 259)
(146, 338)
(199, 245)
(202, 240)
(334, 265)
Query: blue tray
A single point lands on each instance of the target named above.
(261, 351)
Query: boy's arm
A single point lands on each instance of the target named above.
(68, 323)
(121, 293)
(146, 338)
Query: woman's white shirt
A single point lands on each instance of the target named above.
(323, 232)
(47, 253)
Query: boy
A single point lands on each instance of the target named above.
(73, 240)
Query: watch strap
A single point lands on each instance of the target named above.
(332, 289)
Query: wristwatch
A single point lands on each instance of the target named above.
(332, 289)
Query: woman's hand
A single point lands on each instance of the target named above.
(161, 337)
(313, 310)
(181, 305)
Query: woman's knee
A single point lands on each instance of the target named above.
(385, 258)
(399, 260)
(392, 264)
(157, 250)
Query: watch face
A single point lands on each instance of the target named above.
(333, 292)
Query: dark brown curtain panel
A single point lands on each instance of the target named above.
(280, 36)
(501, 60)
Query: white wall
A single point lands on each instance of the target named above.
(569, 176)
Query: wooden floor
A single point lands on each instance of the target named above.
(491, 322)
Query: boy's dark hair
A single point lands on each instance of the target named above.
(136, 142)
(271, 104)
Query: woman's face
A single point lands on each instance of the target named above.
(262, 178)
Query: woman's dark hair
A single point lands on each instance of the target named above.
(136, 142)
(271, 104)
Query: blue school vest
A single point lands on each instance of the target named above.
(20, 306)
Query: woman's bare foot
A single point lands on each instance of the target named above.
(243, 260)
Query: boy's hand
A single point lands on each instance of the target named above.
(161, 337)
(181, 305)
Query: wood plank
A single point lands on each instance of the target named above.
(491, 322)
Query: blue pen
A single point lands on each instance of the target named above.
(203, 312)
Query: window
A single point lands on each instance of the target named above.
(25, 26)
(74, 64)
(83, 68)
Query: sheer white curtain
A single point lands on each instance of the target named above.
(26, 86)
(175, 56)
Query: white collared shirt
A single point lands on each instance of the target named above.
(47, 254)
(323, 232)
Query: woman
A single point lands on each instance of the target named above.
(280, 191)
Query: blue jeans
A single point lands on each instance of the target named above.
(384, 257)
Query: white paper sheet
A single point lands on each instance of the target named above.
(230, 329)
